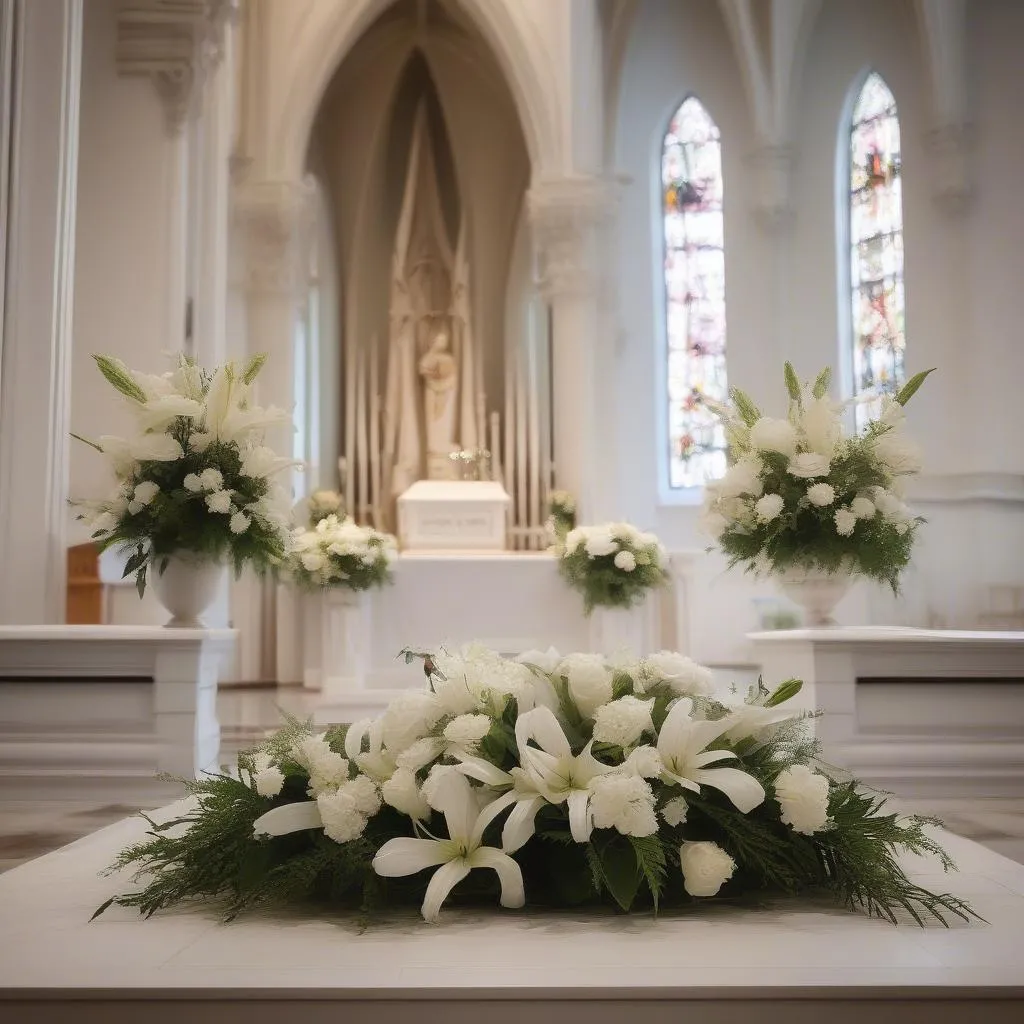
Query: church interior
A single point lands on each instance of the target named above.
(499, 252)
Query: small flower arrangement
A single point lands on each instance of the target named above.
(613, 565)
(196, 476)
(341, 553)
(803, 494)
(324, 503)
(574, 780)
(561, 515)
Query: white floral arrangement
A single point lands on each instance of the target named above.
(195, 477)
(341, 553)
(802, 493)
(323, 503)
(551, 780)
(612, 564)
(561, 515)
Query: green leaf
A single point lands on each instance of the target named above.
(650, 858)
(792, 383)
(103, 906)
(140, 582)
(85, 440)
(749, 412)
(119, 377)
(784, 691)
(909, 389)
(253, 367)
(821, 384)
(620, 872)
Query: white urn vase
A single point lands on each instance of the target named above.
(187, 586)
(816, 591)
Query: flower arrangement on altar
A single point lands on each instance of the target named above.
(321, 504)
(551, 780)
(612, 565)
(561, 515)
(335, 552)
(195, 478)
(801, 493)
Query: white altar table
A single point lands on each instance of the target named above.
(783, 961)
(117, 699)
(914, 710)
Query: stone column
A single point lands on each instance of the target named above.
(570, 219)
(39, 146)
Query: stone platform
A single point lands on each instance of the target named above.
(781, 961)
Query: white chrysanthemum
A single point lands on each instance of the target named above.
(845, 522)
(409, 717)
(706, 868)
(743, 477)
(598, 541)
(589, 679)
(863, 508)
(467, 730)
(808, 465)
(145, 492)
(193, 483)
(768, 508)
(674, 812)
(683, 675)
(821, 495)
(239, 523)
(327, 771)
(626, 561)
(341, 816)
(624, 802)
(219, 501)
(771, 435)
(623, 721)
(402, 792)
(211, 479)
(644, 761)
(803, 797)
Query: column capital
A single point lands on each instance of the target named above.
(570, 218)
(274, 219)
(177, 43)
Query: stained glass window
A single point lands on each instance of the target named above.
(876, 244)
(691, 175)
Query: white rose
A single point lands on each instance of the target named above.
(219, 501)
(674, 812)
(599, 541)
(803, 797)
(768, 508)
(623, 721)
(821, 494)
(402, 793)
(863, 508)
(772, 435)
(898, 453)
(589, 679)
(145, 492)
(706, 868)
(211, 479)
(624, 802)
(547, 661)
(626, 561)
(808, 465)
(193, 483)
(822, 426)
(573, 539)
(683, 675)
(845, 522)
(742, 477)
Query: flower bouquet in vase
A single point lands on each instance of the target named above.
(810, 503)
(335, 552)
(195, 488)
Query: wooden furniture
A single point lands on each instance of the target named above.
(85, 589)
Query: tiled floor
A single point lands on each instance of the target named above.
(33, 823)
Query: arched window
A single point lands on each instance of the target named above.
(876, 244)
(691, 175)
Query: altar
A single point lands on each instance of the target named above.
(776, 962)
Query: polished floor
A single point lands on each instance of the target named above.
(35, 820)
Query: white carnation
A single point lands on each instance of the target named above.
(211, 479)
(193, 483)
(327, 771)
(269, 782)
(310, 749)
(434, 785)
(409, 717)
(771, 435)
(626, 561)
(364, 793)
(589, 679)
(768, 508)
(623, 721)
(674, 812)
(808, 465)
(467, 730)
(803, 797)
(341, 816)
(239, 523)
(624, 802)
(599, 541)
(419, 754)
(402, 792)
(706, 868)
(821, 494)
(683, 675)
(863, 508)
(845, 522)
(219, 501)
(145, 492)
(644, 761)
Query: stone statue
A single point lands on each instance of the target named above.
(439, 371)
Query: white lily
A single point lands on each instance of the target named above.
(554, 771)
(378, 762)
(157, 413)
(522, 796)
(455, 856)
(749, 721)
(682, 744)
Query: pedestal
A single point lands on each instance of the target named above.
(631, 632)
(453, 515)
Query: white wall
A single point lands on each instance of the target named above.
(962, 281)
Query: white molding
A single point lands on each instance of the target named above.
(949, 488)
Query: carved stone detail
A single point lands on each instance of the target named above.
(177, 43)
